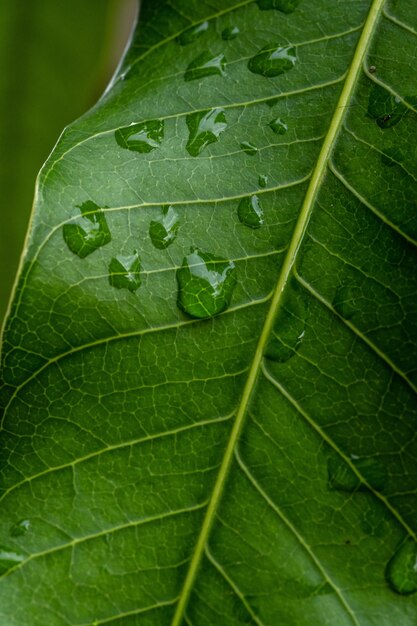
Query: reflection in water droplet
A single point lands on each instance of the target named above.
(88, 232)
(392, 156)
(20, 528)
(164, 229)
(205, 284)
(250, 212)
(273, 60)
(143, 137)
(345, 301)
(231, 32)
(286, 6)
(193, 33)
(124, 272)
(206, 64)
(262, 180)
(278, 126)
(289, 328)
(249, 148)
(9, 558)
(343, 478)
(205, 127)
(385, 108)
(401, 570)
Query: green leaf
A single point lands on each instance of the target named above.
(209, 368)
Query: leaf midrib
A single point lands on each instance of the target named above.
(297, 237)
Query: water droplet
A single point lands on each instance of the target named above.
(205, 284)
(372, 69)
(205, 127)
(273, 60)
(385, 108)
(88, 232)
(250, 212)
(289, 328)
(206, 64)
(401, 570)
(231, 32)
(249, 148)
(262, 180)
(286, 6)
(164, 229)
(143, 137)
(20, 528)
(343, 478)
(278, 126)
(124, 272)
(392, 156)
(193, 33)
(9, 558)
(345, 301)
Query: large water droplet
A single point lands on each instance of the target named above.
(9, 558)
(278, 126)
(250, 212)
(273, 60)
(20, 528)
(124, 272)
(205, 127)
(88, 232)
(206, 64)
(384, 107)
(289, 328)
(286, 6)
(231, 32)
(343, 478)
(401, 570)
(143, 137)
(249, 148)
(205, 284)
(345, 301)
(262, 180)
(163, 230)
(193, 33)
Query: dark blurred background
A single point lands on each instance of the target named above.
(56, 57)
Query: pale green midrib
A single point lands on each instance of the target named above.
(289, 261)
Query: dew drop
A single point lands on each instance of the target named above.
(289, 328)
(9, 558)
(205, 284)
(206, 64)
(193, 33)
(262, 180)
(124, 272)
(20, 528)
(205, 127)
(88, 232)
(231, 32)
(343, 478)
(344, 301)
(163, 230)
(385, 108)
(273, 60)
(143, 137)
(401, 570)
(249, 148)
(286, 6)
(278, 126)
(250, 212)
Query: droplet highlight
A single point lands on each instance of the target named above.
(343, 478)
(124, 272)
(286, 6)
(250, 212)
(206, 64)
(20, 528)
(163, 230)
(401, 570)
(143, 137)
(278, 126)
(384, 107)
(193, 33)
(249, 148)
(205, 284)
(231, 32)
(345, 301)
(88, 232)
(262, 180)
(289, 328)
(273, 60)
(205, 127)
(9, 558)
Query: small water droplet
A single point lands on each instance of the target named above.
(289, 328)
(143, 137)
(392, 156)
(250, 212)
(278, 126)
(205, 284)
(206, 64)
(273, 60)
(372, 69)
(249, 148)
(262, 180)
(345, 301)
(88, 232)
(384, 107)
(231, 32)
(124, 272)
(163, 230)
(193, 33)
(20, 528)
(343, 478)
(205, 127)
(286, 6)
(401, 570)
(9, 558)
